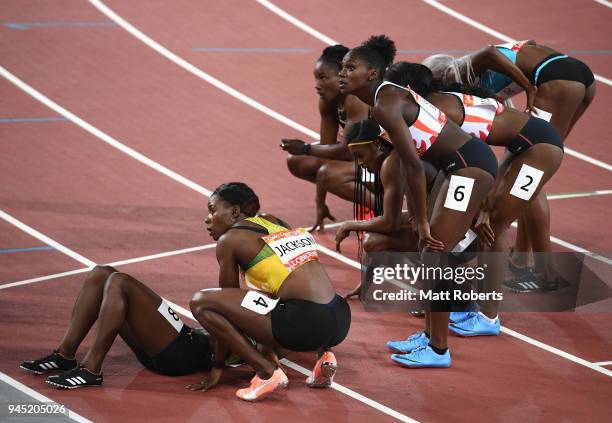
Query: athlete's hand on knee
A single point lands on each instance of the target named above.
(322, 214)
(206, 384)
(342, 233)
(483, 227)
(428, 241)
(293, 146)
(532, 92)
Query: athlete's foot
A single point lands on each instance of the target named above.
(323, 372)
(476, 325)
(423, 357)
(261, 388)
(531, 282)
(76, 378)
(52, 363)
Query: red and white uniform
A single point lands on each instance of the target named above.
(479, 114)
(428, 124)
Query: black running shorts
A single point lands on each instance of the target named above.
(301, 325)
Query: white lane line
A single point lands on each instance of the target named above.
(33, 232)
(115, 263)
(604, 363)
(556, 351)
(579, 194)
(308, 29)
(471, 22)
(295, 21)
(44, 278)
(134, 31)
(588, 159)
(198, 72)
(513, 333)
(604, 3)
(356, 265)
(161, 255)
(39, 397)
(349, 392)
(102, 135)
(143, 159)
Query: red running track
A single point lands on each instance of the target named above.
(106, 206)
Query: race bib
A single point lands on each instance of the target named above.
(259, 303)
(469, 237)
(170, 315)
(293, 248)
(541, 114)
(470, 100)
(459, 192)
(526, 182)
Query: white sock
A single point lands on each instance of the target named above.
(488, 319)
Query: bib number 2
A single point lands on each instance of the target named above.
(459, 192)
(258, 302)
(526, 182)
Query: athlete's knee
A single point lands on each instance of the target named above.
(201, 303)
(372, 243)
(295, 165)
(99, 274)
(325, 174)
(117, 281)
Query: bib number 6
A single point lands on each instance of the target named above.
(459, 193)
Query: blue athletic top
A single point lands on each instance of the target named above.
(502, 85)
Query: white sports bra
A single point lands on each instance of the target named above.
(479, 114)
(428, 124)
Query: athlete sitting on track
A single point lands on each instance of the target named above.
(419, 131)
(295, 307)
(120, 304)
(328, 164)
(534, 151)
(565, 89)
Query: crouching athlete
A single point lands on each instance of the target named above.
(293, 304)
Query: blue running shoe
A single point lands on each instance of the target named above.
(460, 316)
(414, 341)
(476, 325)
(423, 357)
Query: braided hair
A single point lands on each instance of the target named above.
(239, 194)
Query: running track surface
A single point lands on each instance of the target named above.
(106, 206)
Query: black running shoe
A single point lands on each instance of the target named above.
(531, 282)
(75, 378)
(51, 363)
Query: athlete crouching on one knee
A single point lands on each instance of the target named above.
(295, 306)
(121, 305)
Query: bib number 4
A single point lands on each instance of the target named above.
(258, 302)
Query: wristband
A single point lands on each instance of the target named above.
(306, 149)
